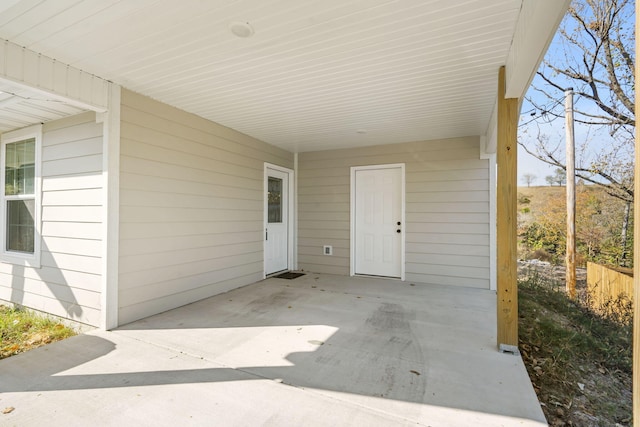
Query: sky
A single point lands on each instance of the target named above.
(556, 130)
(528, 164)
(598, 138)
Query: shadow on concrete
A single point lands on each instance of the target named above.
(403, 344)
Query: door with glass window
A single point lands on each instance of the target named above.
(276, 257)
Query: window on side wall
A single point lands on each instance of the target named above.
(20, 210)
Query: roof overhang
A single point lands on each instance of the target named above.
(37, 89)
(311, 76)
(526, 53)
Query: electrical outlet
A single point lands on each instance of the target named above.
(327, 250)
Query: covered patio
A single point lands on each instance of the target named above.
(157, 128)
(319, 350)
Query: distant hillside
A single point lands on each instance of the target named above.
(599, 220)
(538, 196)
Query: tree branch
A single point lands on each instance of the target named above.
(615, 188)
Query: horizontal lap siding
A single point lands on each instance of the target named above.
(68, 284)
(191, 207)
(447, 209)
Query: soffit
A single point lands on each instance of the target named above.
(315, 74)
(21, 107)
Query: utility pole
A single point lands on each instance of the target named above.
(623, 234)
(571, 196)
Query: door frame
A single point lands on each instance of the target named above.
(290, 214)
(352, 225)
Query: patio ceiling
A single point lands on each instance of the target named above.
(313, 75)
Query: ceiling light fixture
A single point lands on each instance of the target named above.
(241, 29)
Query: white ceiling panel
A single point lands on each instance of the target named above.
(314, 75)
(20, 107)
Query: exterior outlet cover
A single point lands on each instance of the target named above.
(327, 250)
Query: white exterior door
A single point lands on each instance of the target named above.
(276, 248)
(378, 220)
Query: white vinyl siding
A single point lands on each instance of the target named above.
(191, 207)
(447, 209)
(68, 284)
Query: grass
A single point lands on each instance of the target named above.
(22, 330)
(579, 363)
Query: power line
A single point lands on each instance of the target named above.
(544, 112)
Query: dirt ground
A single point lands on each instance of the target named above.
(555, 274)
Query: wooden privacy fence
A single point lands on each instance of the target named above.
(606, 285)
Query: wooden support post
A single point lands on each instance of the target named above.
(507, 157)
(636, 254)
(571, 196)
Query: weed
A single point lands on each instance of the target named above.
(579, 362)
(22, 330)
(524, 199)
(618, 310)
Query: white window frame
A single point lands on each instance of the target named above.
(20, 258)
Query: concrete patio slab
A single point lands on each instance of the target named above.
(318, 350)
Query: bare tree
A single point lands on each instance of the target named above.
(529, 178)
(560, 177)
(550, 179)
(594, 54)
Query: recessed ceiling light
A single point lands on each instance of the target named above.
(241, 29)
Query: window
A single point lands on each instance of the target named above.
(20, 196)
(275, 200)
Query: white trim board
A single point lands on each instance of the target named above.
(493, 248)
(111, 209)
